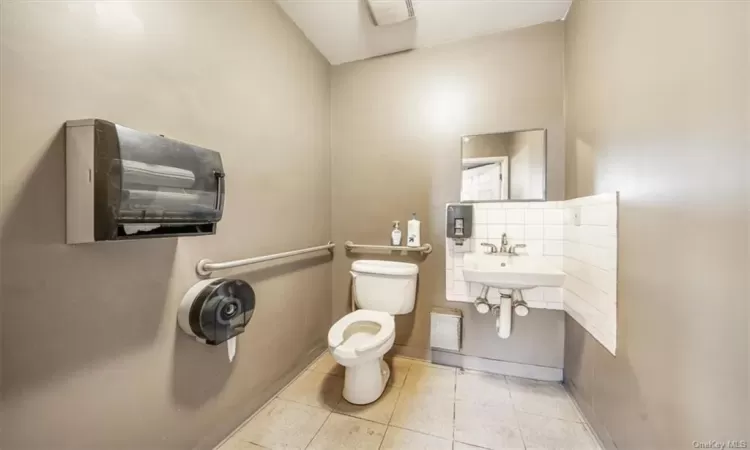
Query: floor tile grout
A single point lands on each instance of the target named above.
(455, 395)
(262, 407)
(400, 391)
(322, 355)
(320, 428)
(399, 397)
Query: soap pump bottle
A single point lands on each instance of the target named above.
(412, 233)
(396, 234)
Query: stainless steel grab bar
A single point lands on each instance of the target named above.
(206, 266)
(424, 249)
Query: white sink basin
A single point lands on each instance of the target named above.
(511, 272)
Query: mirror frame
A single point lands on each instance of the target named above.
(510, 176)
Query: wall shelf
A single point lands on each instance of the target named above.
(424, 249)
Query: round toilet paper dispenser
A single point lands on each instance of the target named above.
(216, 310)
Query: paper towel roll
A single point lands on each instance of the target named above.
(231, 348)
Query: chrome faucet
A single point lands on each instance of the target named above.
(504, 247)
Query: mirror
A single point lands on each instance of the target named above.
(508, 166)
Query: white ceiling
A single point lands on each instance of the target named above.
(343, 32)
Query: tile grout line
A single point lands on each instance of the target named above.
(268, 402)
(400, 390)
(304, 371)
(515, 412)
(330, 412)
(455, 392)
(410, 429)
(320, 428)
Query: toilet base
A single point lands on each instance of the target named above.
(365, 383)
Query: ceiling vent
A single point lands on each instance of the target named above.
(388, 12)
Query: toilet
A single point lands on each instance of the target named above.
(359, 340)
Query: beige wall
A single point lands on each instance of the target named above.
(92, 357)
(657, 109)
(396, 127)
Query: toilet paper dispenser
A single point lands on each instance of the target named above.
(126, 184)
(216, 310)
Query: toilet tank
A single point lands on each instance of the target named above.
(386, 286)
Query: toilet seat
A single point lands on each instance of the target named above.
(347, 347)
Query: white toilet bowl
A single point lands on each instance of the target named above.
(358, 342)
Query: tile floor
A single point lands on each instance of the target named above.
(424, 407)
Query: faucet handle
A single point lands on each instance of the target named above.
(505, 239)
(492, 247)
(513, 248)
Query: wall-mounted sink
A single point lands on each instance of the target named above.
(511, 272)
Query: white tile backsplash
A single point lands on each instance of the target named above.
(515, 216)
(590, 262)
(534, 216)
(516, 233)
(523, 223)
(495, 230)
(480, 215)
(553, 248)
(534, 232)
(587, 253)
(553, 217)
(496, 216)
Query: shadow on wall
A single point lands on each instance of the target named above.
(199, 371)
(67, 307)
(265, 272)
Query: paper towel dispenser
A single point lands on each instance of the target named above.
(216, 310)
(126, 184)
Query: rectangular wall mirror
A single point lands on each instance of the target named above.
(510, 166)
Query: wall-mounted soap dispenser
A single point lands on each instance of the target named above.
(458, 225)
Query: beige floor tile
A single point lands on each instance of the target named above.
(399, 368)
(542, 398)
(490, 426)
(379, 411)
(283, 424)
(315, 389)
(424, 413)
(430, 381)
(461, 446)
(348, 433)
(400, 439)
(234, 443)
(547, 433)
(482, 388)
(326, 364)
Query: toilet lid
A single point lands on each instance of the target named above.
(336, 333)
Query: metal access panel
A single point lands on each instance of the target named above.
(445, 329)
